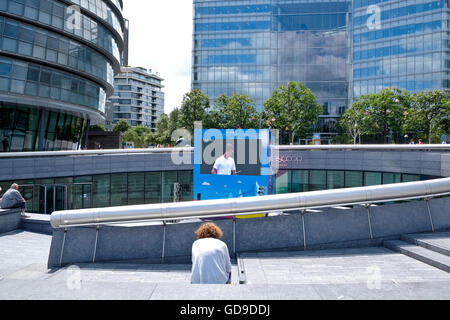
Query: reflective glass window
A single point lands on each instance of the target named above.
(153, 187)
(372, 179)
(101, 189)
(335, 179)
(136, 188)
(119, 189)
(318, 180)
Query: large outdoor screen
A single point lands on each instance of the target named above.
(231, 163)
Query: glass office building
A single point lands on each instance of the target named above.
(339, 49)
(138, 98)
(57, 65)
(252, 47)
(400, 44)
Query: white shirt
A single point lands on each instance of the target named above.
(225, 166)
(210, 262)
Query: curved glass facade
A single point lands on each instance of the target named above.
(57, 67)
(102, 10)
(27, 129)
(252, 47)
(400, 44)
(55, 14)
(33, 80)
(38, 43)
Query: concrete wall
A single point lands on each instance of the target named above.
(9, 220)
(424, 163)
(172, 243)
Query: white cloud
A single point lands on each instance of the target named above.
(161, 40)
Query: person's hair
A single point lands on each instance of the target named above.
(230, 147)
(14, 186)
(209, 230)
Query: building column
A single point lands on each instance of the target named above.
(42, 130)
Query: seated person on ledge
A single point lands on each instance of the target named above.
(13, 199)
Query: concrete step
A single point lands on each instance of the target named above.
(38, 223)
(438, 242)
(422, 254)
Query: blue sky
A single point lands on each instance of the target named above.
(161, 40)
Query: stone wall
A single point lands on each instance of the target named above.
(172, 243)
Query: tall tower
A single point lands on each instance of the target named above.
(57, 65)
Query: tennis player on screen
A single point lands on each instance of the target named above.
(225, 164)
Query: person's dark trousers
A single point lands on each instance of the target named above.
(21, 205)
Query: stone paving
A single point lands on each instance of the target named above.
(367, 273)
(345, 266)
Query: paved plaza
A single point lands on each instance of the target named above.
(363, 273)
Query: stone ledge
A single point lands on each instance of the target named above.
(9, 220)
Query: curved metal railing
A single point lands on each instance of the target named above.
(244, 206)
(369, 147)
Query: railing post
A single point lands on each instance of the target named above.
(234, 236)
(164, 242)
(303, 228)
(368, 205)
(95, 245)
(429, 213)
(62, 248)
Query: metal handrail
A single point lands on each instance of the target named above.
(243, 206)
(369, 147)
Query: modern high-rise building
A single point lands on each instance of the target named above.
(402, 44)
(252, 47)
(138, 97)
(57, 65)
(340, 49)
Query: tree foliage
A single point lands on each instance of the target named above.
(356, 121)
(293, 110)
(235, 111)
(121, 126)
(429, 114)
(194, 108)
(139, 135)
(97, 128)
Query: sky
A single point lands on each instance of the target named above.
(161, 40)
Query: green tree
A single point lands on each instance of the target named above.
(356, 121)
(194, 107)
(174, 120)
(293, 110)
(163, 132)
(121, 126)
(139, 135)
(235, 111)
(428, 116)
(97, 128)
(386, 111)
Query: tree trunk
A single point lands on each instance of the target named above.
(429, 134)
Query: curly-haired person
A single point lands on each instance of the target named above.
(211, 262)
